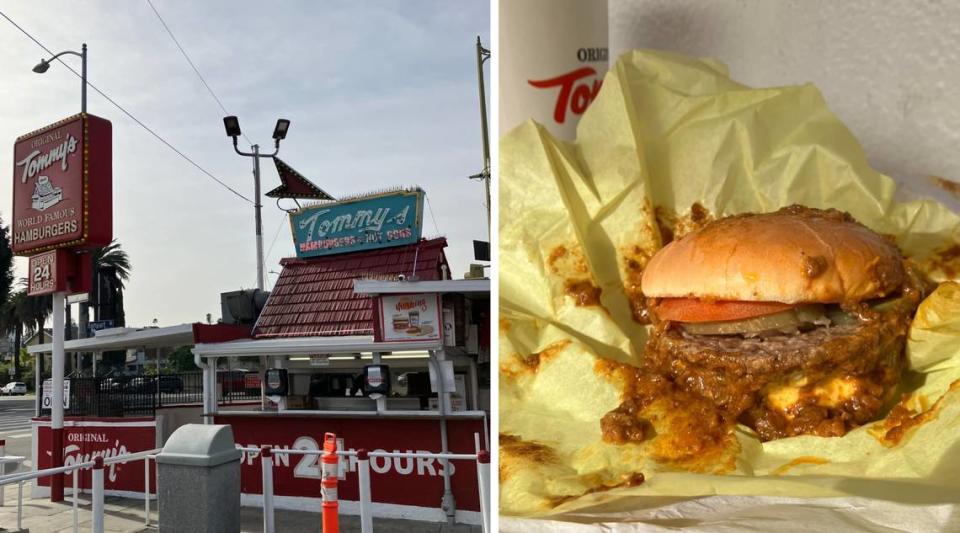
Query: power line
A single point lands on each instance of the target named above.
(127, 113)
(274, 241)
(192, 65)
(430, 208)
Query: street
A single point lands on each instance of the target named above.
(15, 415)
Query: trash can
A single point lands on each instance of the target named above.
(198, 481)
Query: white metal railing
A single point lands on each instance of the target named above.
(481, 457)
(97, 465)
(266, 453)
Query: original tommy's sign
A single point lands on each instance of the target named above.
(62, 193)
(84, 440)
(366, 223)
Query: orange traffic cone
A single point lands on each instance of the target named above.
(331, 508)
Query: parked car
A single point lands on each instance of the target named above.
(14, 387)
(171, 384)
(149, 384)
(113, 384)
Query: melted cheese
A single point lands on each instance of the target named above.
(829, 393)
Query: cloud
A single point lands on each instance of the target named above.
(379, 94)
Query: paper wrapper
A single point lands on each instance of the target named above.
(674, 136)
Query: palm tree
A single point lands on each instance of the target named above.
(112, 266)
(6, 264)
(34, 312)
(12, 320)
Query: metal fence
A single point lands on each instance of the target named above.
(142, 395)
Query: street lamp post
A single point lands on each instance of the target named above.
(232, 126)
(59, 301)
(482, 56)
(44, 65)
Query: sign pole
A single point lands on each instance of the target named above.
(56, 407)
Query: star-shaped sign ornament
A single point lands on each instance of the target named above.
(294, 185)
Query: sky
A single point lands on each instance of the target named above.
(379, 94)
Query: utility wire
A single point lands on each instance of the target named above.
(127, 113)
(430, 208)
(274, 241)
(192, 65)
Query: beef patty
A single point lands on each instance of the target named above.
(823, 381)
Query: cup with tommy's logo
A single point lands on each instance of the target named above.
(553, 55)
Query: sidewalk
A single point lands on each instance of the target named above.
(124, 515)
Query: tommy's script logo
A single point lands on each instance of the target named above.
(363, 220)
(37, 161)
(577, 88)
(45, 192)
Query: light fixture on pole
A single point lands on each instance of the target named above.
(232, 126)
(44, 65)
(59, 310)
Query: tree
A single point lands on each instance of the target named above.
(36, 311)
(13, 317)
(6, 264)
(111, 266)
(180, 360)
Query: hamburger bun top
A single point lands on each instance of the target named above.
(794, 255)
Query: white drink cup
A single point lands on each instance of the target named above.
(553, 55)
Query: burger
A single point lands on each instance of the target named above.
(792, 322)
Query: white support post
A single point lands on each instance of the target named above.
(483, 476)
(76, 501)
(206, 391)
(56, 407)
(266, 461)
(382, 400)
(146, 491)
(97, 507)
(363, 470)
(37, 381)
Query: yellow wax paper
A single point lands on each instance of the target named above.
(666, 132)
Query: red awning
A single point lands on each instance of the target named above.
(314, 297)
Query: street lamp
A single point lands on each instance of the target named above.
(232, 126)
(44, 65)
(59, 318)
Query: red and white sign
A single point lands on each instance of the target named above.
(59, 270)
(558, 57)
(62, 192)
(251, 380)
(412, 482)
(409, 317)
(43, 276)
(83, 440)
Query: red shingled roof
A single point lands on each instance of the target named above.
(314, 297)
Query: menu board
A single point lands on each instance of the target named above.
(410, 317)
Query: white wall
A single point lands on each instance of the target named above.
(889, 70)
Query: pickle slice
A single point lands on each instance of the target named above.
(788, 320)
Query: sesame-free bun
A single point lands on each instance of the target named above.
(797, 254)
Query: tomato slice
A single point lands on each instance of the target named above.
(696, 310)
